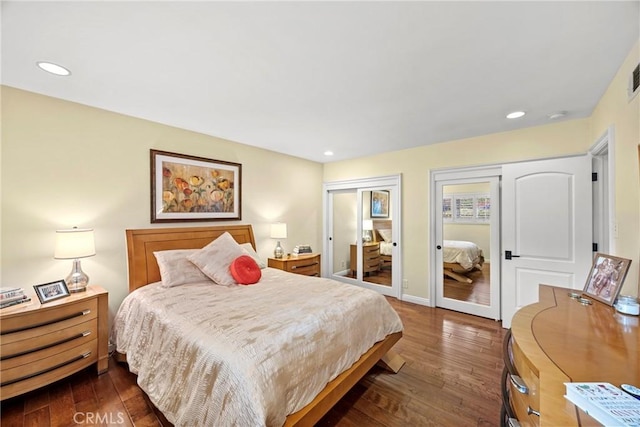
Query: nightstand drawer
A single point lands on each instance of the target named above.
(42, 343)
(371, 250)
(32, 375)
(29, 350)
(307, 269)
(308, 265)
(47, 319)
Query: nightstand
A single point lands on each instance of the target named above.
(370, 258)
(42, 343)
(307, 264)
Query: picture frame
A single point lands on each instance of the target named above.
(47, 292)
(379, 204)
(191, 188)
(606, 277)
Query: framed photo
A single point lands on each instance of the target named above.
(380, 204)
(189, 188)
(51, 291)
(606, 277)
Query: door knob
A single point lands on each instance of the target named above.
(509, 255)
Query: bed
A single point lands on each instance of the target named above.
(460, 257)
(182, 341)
(382, 234)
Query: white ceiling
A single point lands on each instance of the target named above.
(357, 78)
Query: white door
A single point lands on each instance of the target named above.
(472, 298)
(546, 228)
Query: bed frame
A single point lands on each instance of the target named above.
(379, 224)
(457, 272)
(143, 269)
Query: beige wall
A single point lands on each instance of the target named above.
(565, 138)
(559, 139)
(65, 164)
(614, 109)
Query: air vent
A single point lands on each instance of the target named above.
(634, 82)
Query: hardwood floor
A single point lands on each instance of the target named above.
(451, 378)
(477, 292)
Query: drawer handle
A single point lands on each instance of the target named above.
(513, 422)
(520, 385)
(531, 411)
(50, 322)
(60, 365)
(293, 267)
(43, 347)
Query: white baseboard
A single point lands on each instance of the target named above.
(416, 300)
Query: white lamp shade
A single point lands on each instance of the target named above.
(367, 224)
(279, 230)
(74, 243)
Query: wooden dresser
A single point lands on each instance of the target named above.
(560, 340)
(42, 343)
(308, 264)
(370, 258)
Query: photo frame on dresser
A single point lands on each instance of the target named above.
(606, 277)
(190, 188)
(51, 291)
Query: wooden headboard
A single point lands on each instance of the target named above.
(380, 224)
(142, 243)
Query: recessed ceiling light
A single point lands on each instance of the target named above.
(328, 153)
(558, 115)
(52, 68)
(515, 114)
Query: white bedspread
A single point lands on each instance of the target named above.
(464, 253)
(211, 355)
(386, 248)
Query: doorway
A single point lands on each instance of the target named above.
(362, 233)
(467, 250)
(543, 236)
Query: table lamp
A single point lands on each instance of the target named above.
(367, 228)
(74, 244)
(278, 231)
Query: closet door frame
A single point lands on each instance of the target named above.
(391, 182)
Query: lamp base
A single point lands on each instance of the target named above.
(77, 280)
(278, 252)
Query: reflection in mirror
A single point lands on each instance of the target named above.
(344, 229)
(377, 239)
(376, 253)
(466, 240)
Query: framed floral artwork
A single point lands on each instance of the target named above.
(606, 277)
(190, 188)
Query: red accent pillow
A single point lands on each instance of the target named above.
(245, 270)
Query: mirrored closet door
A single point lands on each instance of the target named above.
(361, 234)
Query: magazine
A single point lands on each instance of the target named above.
(606, 403)
(21, 300)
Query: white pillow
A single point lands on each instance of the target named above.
(385, 234)
(176, 269)
(215, 258)
(253, 254)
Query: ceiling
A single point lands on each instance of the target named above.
(357, 78)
